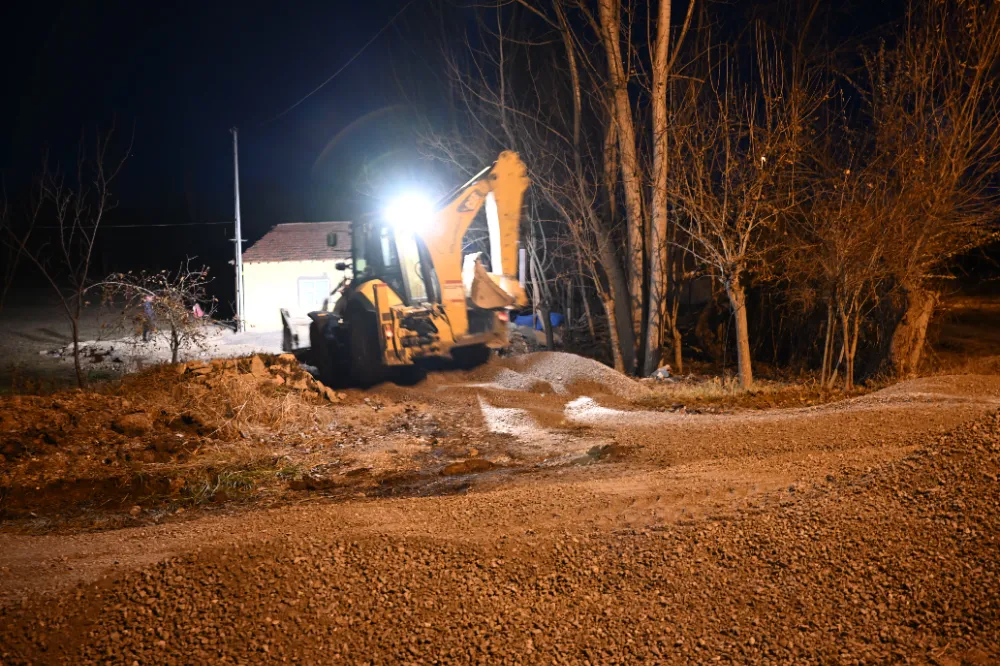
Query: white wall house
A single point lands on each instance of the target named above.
(292, 267)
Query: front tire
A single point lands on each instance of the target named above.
(367, 365)
(472, 356)
(324, 354)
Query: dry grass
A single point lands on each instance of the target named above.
(229, 408)
(727, 393)
(248, 424)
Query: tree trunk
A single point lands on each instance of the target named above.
(827, 345)
(676, 270)
(616, 347)
(657, 247)
(854, 344)
(541, 309)
(738, 300)
(628, 159)
(619, 298)
(175, 345)
(77, 367)
(611, 167)
(911, 333)
(703, 330)
(845, 325)
(547, 326)
(849, 322)
(836, 368)
(586, 310)
(678, 346)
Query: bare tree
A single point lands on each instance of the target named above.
(545, 118)
(935, 115)
(610, 20)
(834, 253)
(735, 146)
(579, 131)
(653, 162)
(176, 304)
(59, 234)
(658, 248)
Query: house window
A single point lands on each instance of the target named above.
(312, 292)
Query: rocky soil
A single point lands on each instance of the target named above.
(861, 532)
(158, 438)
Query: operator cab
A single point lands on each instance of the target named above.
(398, 258)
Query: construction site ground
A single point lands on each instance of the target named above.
(541, 509)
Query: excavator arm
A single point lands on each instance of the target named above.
(500, 188)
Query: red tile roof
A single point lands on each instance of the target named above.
(301, 241)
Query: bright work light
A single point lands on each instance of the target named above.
(412, 211)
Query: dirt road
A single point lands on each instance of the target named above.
(858, 532)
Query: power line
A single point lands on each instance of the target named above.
(165, 224)
(344, 66)
(146, 226)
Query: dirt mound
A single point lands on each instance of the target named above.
(267, 370)
(167, 434)
(254, 429)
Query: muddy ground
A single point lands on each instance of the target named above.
(541, 509)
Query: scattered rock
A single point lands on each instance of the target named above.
(298, 384)
(472, 466)
(283, 370)
(257, 367)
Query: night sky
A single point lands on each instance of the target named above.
(184, 73)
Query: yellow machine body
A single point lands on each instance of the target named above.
(465, 305)
(401, 346)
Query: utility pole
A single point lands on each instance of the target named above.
(238, 240)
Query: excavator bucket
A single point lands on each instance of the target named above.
(483, 288)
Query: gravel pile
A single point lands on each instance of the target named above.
(900, 564)
(511, 380)
(561, 370)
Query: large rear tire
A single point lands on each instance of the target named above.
(367, 365)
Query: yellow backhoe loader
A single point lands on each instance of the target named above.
(414, 293)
